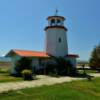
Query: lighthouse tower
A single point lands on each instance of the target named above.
(56, 37)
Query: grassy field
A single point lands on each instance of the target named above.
(76, 90)
(5, 76)
(88, 71)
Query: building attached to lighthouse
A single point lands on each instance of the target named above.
(55, 45)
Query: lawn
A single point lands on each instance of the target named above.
(88, 71)
(76, 90)
(6, 77)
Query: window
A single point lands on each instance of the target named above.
(58, 22)
(53, 22)
(59, 40)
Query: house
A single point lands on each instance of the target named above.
(39, 58)
(56, 44)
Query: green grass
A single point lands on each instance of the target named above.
(6, 77)
(88, 71)
(76, 90)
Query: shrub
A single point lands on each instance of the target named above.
(51, 69)
(27, 74)
(23, 63)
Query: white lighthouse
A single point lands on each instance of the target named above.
(56, 36)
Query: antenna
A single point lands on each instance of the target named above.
(56, 12)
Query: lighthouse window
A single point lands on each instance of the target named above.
(58, 22)
(53, 22)
(59, 40)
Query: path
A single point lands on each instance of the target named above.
(43, 80)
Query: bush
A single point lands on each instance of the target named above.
(23, 63)
(27, 74)
(50, 67)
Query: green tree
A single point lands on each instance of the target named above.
(22, 64)
(62, 66)
(94, 62)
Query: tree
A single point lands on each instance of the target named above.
(60, 67)
(63, 66)
(22, 64)
(95, 58)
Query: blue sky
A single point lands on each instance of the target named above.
(22, 24)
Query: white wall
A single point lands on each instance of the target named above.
(52, 45)
(13, 64)
(35, 63)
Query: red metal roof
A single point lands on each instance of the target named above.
(26, 53)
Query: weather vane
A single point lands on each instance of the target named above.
(56, 12)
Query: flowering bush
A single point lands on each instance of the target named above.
(27, 74)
